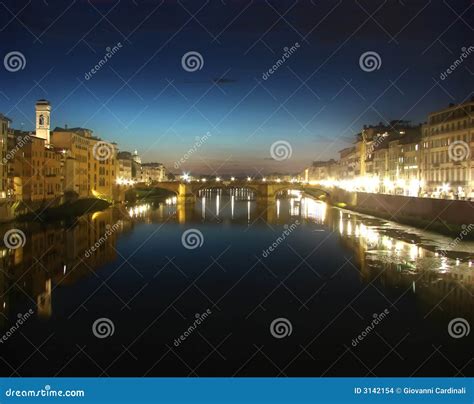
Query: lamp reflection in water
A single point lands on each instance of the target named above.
(171, 201)
(408, 254)
(232, 205)
(139, 210)
(312, 209)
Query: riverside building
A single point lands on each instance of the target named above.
(430, 160)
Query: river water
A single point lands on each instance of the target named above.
(233, 286)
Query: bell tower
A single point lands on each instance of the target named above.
(43, 113)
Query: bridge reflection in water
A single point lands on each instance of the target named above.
(58, 256)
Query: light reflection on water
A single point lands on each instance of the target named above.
(54, 254)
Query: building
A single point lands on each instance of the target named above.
(4, 130)
(75, 146)
(321, 171)
(53, 173)
(35, 169)
(348, 163)
(136, 166)
(152, 172)
(136, 158)
(385, 158)
(448, 148)
(431, 160)
(405, 163)
(89, 163)
(43, 116)
(124, 168)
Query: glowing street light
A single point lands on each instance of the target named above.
(232, 178)
(264, 179)
(185, 177)
(249, 179)
(203, 180)
(218, 179)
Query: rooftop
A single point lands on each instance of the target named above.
(3, 117)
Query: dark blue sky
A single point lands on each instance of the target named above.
(317, 100)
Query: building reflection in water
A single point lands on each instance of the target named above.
(409, 262)
(55, 256)
(398, 257)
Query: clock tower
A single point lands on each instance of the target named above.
(43, 113)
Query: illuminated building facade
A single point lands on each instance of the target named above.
(152, 172)
(4, 129)
(85, 174)
(321, 170)
(124, 167)
(43, 117)
(75, 145)
(35, 170)
(448, 148)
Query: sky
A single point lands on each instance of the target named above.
(144, 97)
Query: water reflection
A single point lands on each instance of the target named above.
(55, 256)
(59, 255)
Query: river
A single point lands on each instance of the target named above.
(235, 286)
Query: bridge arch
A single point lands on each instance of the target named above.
(168, 186)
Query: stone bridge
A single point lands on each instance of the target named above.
(187, 191)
